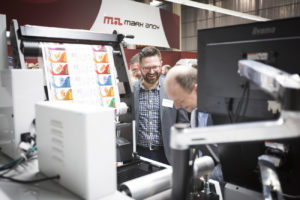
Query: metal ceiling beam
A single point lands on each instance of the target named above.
(218, 9)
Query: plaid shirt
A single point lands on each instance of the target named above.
(149, 118)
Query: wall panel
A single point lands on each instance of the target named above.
(194, 19)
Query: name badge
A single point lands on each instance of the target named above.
(168, 103)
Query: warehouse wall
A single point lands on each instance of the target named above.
(194, 19)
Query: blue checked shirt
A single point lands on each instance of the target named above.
(200, 119)
(149, 119)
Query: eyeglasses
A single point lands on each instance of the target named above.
(148, 69)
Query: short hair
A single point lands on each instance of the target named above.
(134, 59)
(185, 76)
(149, 51)
(168, 67)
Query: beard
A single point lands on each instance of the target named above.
(151, 78)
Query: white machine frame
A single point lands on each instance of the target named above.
(77, 142)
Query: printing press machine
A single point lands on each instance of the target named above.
(17, 109)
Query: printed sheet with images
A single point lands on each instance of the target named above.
(81, 73)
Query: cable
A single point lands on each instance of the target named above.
(291, 196)
(9, 165)
(30, 181)
(13, 166)
(247, 88)
(229, 109)
(230, 116)
(239, 107)
(32, 149)
(18, 161)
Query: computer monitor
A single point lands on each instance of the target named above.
(230, 98)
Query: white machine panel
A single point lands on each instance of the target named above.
(22, 88)
(77, 142)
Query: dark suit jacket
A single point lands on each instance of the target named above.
(168, 116)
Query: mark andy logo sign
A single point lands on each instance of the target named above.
(118, 22)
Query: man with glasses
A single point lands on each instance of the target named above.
(154, 111)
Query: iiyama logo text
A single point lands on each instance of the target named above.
(263, 31)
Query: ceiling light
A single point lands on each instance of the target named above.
(155, 3)
(218, 9)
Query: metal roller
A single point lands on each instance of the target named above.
(31, 49)
(146, 186)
